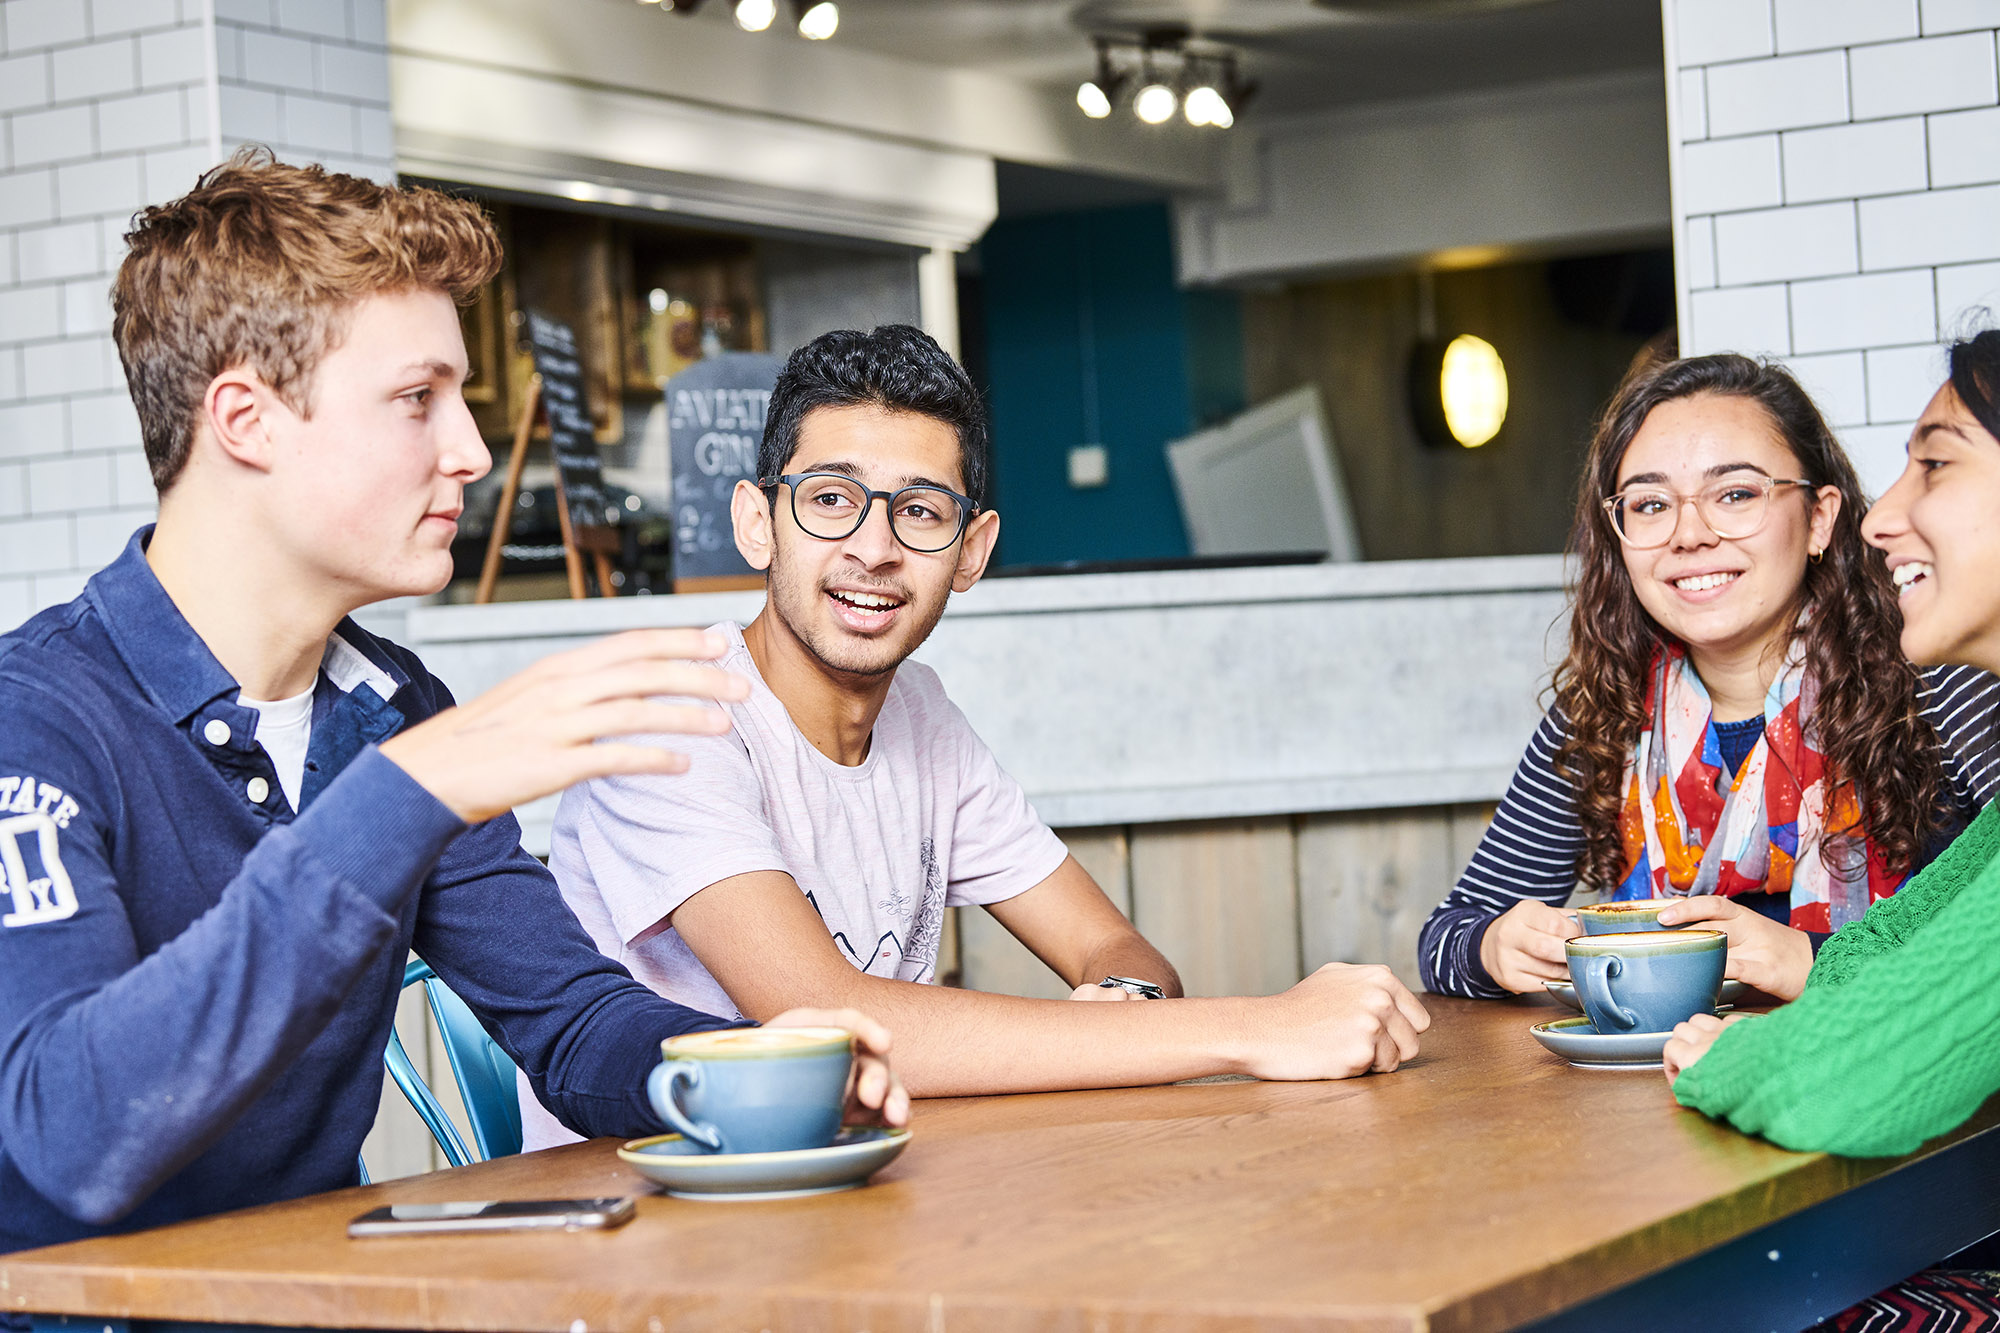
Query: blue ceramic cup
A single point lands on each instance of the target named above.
(1647, 981)
(1617, 918)
(746, 1090)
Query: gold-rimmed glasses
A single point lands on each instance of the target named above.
(1733, 507)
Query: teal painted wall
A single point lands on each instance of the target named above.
(1088, 341)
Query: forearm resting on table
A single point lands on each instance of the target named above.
(766, 946)
(962, 1043)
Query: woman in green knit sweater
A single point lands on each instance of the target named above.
(1893, 1040)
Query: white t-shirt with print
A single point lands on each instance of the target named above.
(929, 820)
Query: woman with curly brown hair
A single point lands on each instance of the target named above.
(1735, 724)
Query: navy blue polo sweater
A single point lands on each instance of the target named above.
(196, 983)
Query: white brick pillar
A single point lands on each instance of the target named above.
(106, 106)
(1837, 194)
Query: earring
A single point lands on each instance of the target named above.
(1817, 554)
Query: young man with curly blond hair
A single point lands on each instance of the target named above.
(227, 812)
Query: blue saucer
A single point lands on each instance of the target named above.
(689, 1172)
(1576, 1041)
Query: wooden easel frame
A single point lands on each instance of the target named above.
(600, 542)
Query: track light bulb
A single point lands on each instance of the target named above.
(820, 21)
(1155, 104)
(755, 15)
(1092, 100)
(1204, 106)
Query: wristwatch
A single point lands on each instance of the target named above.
(1145, 990)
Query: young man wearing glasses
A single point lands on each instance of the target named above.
(812, 851)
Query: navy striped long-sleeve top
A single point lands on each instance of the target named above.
(1535, 843)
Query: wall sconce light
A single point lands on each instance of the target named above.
(1458, 391)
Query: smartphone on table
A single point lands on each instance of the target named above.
(420, 1219)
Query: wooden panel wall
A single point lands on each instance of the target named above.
(1241, 907)
(1247, 907)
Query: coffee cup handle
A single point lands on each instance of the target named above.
(660, 1086)
(1605, 967)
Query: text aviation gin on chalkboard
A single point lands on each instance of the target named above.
(715, 423)
(572, 442)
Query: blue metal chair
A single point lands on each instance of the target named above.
(484, 1073)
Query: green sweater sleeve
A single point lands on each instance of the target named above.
(1894, 1043)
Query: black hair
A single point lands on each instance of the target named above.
(1975, 377)
(897, 367)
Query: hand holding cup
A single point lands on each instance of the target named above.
(1523, 946)
(875, 1096)
(780, 1088)
(1762, 953)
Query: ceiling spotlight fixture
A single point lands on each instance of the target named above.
(1094, 96)
(1155, 104)
(1203, 105)
(817, 21)
(1174, 72)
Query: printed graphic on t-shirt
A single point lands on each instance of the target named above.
(921, 957)
(889, 956)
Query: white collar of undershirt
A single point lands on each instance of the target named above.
(348, 667)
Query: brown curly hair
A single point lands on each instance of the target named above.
(260, 264)
(1868, 721)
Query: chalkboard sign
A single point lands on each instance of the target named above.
(572, 441)
(715, 422)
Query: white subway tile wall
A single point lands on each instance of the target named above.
(1967, 293)
(104, 108)
(1899, 376)
(1880, 237)
(1838, 383)
(1782, 94)
(1772, 244)
(1811, 25)
(1849, 161)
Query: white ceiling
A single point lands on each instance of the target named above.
(1307, 56)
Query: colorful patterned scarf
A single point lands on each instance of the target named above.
(1688, 829)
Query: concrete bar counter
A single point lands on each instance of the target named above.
(1269, 767)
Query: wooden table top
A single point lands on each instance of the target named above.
(1485, 1184)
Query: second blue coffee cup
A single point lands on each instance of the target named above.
(745, 1090)
(1647, 981)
